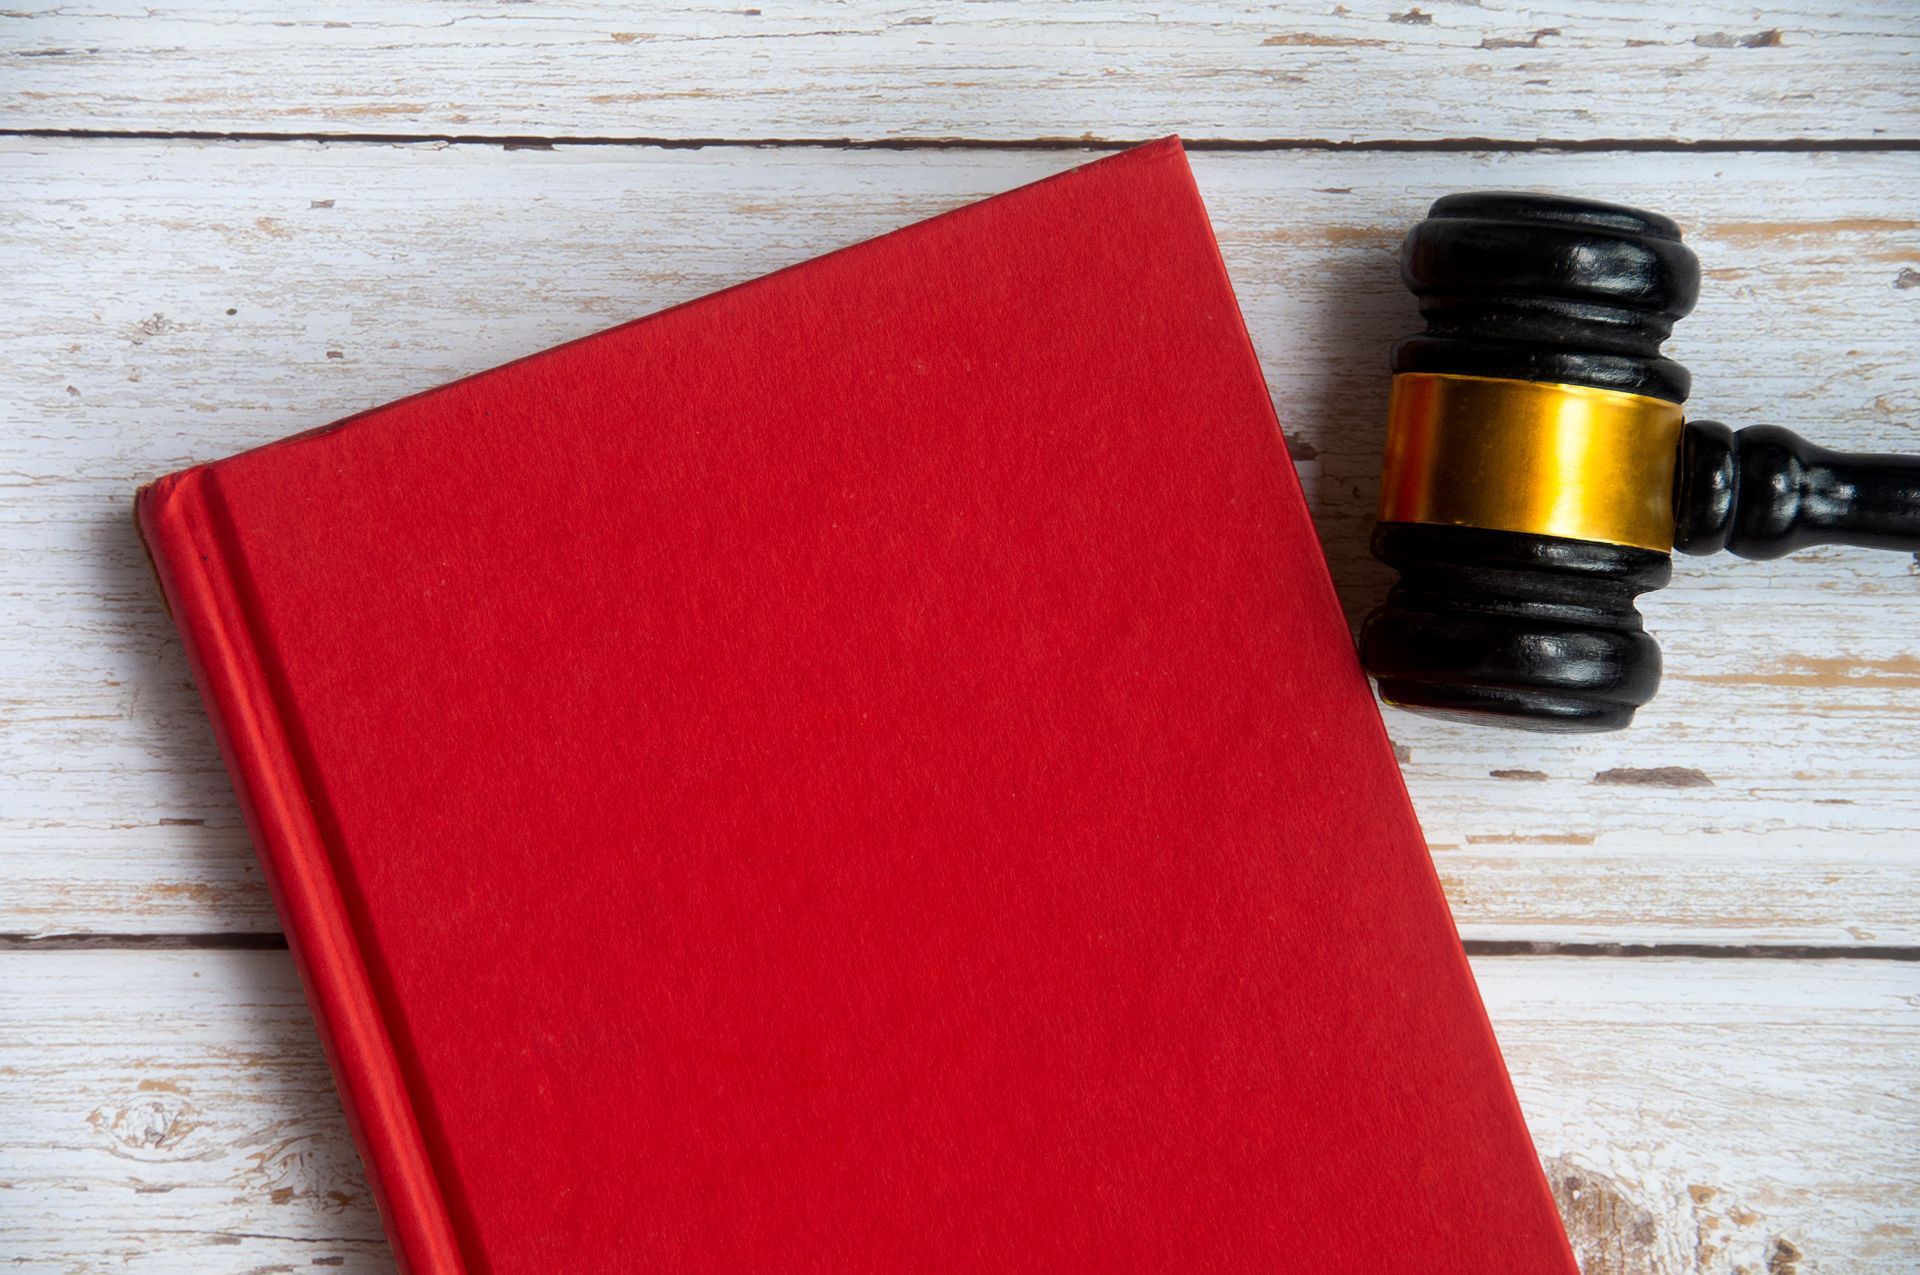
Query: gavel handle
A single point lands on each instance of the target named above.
(1765, 492)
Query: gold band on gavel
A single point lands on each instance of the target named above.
(1553, 460)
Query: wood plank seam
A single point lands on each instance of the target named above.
(1443, 145)
(273, 940)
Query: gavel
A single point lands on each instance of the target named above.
(1539, 471)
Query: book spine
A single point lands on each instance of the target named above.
(188, 536)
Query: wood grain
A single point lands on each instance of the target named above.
(989, 69)
(1710, 1116)
(172, 301)
(176, 302)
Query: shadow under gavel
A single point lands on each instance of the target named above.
(1539, 471)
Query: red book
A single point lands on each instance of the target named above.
(862, 772)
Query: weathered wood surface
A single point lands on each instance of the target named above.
(171, 301)
(172, 1112)
(174, 302)
(870, 69)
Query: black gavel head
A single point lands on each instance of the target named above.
(1535, 430)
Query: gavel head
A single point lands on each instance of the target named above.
(1527, 496)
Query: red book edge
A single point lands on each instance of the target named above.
(183, 520)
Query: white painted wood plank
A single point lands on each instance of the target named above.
(1721, 1116)
(171, 1112)
(177, 302)
(999, 69)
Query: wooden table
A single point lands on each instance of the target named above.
(224, 222)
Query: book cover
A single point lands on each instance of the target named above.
(861, 772)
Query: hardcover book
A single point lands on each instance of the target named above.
(862, 772)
